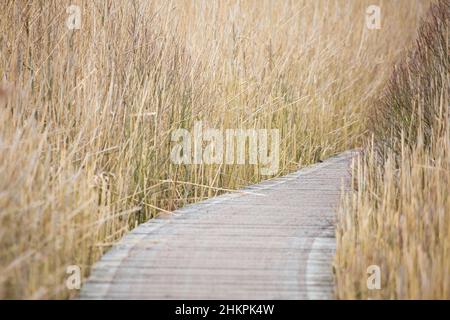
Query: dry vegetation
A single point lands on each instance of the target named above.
(399, 217)
(86, 115)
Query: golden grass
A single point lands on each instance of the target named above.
(82, 158)
(398, 219)
(399, 216)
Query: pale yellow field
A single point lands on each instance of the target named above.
(86, 115)
(399, 216)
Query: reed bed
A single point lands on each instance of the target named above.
(398, 217)
(86, 115)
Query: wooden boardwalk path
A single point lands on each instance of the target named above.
(273, 240)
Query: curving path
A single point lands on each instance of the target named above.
(273, 240)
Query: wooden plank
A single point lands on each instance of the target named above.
(273, 240)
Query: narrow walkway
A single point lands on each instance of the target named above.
(273, 240)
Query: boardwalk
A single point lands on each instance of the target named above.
(273, 240)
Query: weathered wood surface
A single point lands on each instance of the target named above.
(273, 240)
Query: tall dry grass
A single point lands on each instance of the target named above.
(399, 216)
(87, 114)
